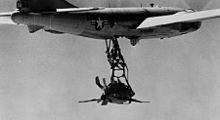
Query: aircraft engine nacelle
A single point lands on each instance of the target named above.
(170, 30)
(190, 27)
(181, 28)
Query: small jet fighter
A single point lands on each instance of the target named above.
(116, 92)
(59, 16)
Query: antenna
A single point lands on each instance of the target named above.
(109, 5)
(152, 5)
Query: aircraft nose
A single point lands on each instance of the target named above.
(17, 18)
(132, 93)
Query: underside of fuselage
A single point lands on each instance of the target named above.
(106, 24)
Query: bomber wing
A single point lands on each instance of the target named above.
(186, 16)
(5, 17)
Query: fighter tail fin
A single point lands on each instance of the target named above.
(42, 5)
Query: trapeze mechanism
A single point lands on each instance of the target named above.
(118, 91)
(117, 63)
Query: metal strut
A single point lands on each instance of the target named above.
(116, 60)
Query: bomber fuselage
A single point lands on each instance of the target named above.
(107, 23)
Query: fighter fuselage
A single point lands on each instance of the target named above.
(107, 23)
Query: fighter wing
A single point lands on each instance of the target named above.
(138, 101)
(70, 10)
(187, 16)
(92, 100)
(5, 18)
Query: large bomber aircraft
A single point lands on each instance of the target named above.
(59, 16)
(109, 24)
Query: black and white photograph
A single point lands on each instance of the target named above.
(109, 60)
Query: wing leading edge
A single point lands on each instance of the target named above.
(5, 18)
(180, 17)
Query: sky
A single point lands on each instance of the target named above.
(43, 76)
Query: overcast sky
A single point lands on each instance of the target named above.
(42, 76)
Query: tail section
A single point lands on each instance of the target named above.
(42, 5)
